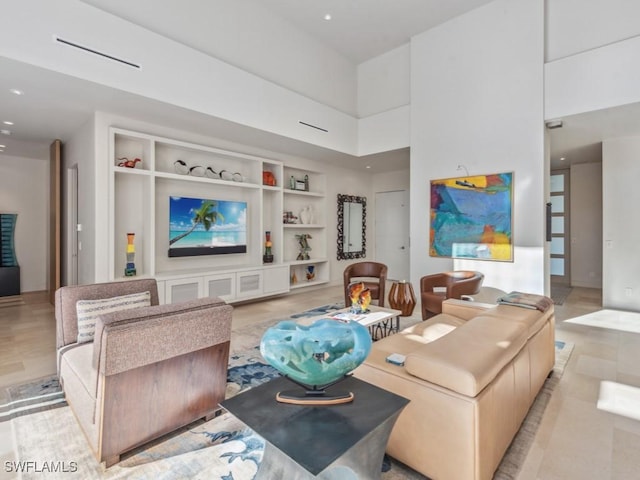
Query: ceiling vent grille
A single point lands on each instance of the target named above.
(313, 126)
(96, 52)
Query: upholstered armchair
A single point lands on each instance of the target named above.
(147, 371)
(372, 274)
(438, 287)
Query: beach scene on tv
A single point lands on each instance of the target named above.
(200, 226)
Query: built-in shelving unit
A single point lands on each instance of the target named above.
(140, 204)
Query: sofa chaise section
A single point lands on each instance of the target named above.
(471, 374)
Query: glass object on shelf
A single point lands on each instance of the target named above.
(308, 215)
(130, 267)
(311, 272)
(268, 255)
(303, 245)
(301, 185)
(268, 178)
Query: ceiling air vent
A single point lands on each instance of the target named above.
(95, 52)
(313, 126)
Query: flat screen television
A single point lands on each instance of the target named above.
(199, 226)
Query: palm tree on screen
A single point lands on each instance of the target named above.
(205, 215)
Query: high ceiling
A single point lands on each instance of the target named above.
(54, 105)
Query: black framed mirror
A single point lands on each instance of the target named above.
(352, 227)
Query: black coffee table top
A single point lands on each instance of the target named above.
(314, 436)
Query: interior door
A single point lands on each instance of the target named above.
(392, 233)
(55, 220)
(560, 246)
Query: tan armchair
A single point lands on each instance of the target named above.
(372, 274)
(147, 372)
(438, 287)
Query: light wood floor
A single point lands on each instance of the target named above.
(574, 441)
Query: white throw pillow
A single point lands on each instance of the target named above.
(88, 311)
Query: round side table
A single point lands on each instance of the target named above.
(401, 297)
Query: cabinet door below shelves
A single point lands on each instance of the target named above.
(222, 286)
(249, 283)
(276, 280)
(183, 289)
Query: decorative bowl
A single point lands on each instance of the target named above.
(316, 355)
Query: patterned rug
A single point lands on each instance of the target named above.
(222, 448)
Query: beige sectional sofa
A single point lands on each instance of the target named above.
(471, 374)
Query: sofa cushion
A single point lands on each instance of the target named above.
(534, 320)
(467, 359)
(88, 311)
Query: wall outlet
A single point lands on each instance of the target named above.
(628, 291)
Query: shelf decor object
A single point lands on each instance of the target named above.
(303, 245)
(268, 256)
(315, 357)
(130, 268)
(402, 297)
(125, 162)
(471, 217)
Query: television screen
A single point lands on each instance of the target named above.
(200, 226)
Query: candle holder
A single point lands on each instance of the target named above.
(130, 268)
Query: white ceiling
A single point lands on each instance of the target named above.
(54, 105)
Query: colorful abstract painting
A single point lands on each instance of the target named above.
(471, 217)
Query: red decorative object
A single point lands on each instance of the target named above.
(268, 178)
(401, 297)
(125, 162)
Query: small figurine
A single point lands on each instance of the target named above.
(304, 246)
(125, 162)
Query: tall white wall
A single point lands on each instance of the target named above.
(384, 82)
(575, 26)
(80, 150)
(620, 228)
(476, 99)
(24, 189)
(249, 36)
(586, 225)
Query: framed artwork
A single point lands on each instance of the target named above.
(471, 217)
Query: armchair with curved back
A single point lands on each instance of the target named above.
(451, 285)
(372, 274)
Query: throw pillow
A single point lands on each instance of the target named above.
(88, 311)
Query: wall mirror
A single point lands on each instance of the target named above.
(352, 227)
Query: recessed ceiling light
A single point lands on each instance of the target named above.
(5, 132)
(3, 146)
(15, 91)
(368, 166)
(327, 16)
(7, 122)
(562, 158)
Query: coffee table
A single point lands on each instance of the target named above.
(327, 442)
(379, 320)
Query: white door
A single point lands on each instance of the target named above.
(392, 233)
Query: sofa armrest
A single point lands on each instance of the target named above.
(134, 338)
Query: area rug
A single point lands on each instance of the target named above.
(559, 293)
(222, 448)
(612, 319)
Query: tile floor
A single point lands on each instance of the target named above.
(574, 441)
